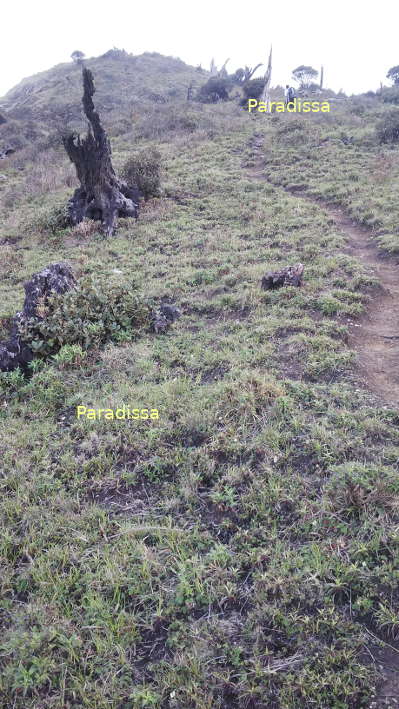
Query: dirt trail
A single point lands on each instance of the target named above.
(375, 335)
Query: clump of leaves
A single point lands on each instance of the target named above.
(88, 316)
(143, 170)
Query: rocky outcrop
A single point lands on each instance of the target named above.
(55, 278)
(164, 317)
(288, 276)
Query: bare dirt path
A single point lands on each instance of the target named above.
(375, 335)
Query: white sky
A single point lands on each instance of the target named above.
(355, 40)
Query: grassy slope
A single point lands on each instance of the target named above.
(124, 84)
(359, 174)
(119, 78)
(239, 551)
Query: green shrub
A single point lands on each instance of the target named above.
(142, 170)
(388, 128)
(357, 108)
(52, 219)
(253, 88)
(391, 95)
(216, 89)
(87, 317)
(69, 356)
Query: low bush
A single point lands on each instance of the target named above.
(388, 128)
(253, 88)
(87, 317)
(50, 219)
(143, 170)
(216, 89)
(391, 95)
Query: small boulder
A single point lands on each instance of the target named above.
(164, 317)
(288, 276)
(56, 278)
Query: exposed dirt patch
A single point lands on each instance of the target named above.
(387, 695)
(375, 335)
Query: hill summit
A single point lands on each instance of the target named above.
(123, 82)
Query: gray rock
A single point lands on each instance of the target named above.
(288, 276)
(56, 278)
(164, 317)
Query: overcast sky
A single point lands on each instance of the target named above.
(356, 41)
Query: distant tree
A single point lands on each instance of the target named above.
(216, 89)
(393, 74)
(304, 75)
(77, 56)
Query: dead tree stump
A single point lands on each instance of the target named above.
(56, 278)
(101, 194)
(289, 276)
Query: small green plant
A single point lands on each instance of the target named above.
(143, 170)
(69, 356)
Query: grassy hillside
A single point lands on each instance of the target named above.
(241, 551)
(126, 86)
(342, 162)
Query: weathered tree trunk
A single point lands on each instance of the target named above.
(289, 276)
(101, 194)
(266, 89)
(56, 278)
